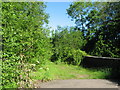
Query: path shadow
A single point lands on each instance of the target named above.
(117, 81)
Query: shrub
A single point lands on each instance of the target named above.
(25, 41)
(70, 56)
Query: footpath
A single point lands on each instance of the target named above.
(79, 83)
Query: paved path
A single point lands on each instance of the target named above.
(79, 83)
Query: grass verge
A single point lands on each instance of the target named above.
(53, 71)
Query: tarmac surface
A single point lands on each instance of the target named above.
(79, 83)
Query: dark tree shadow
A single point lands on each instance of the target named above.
(111, 65)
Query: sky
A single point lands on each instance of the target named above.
(58, 14)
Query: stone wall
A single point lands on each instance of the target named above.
(100, 62)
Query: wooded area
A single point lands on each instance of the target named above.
(99, 23)
(28, 46)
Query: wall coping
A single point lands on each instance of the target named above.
(103, 57)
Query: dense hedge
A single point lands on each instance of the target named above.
(25, 42)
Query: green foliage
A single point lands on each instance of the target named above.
(72, 56)
(99, 22)
(67, 44)
(26, 45)
(103, 49)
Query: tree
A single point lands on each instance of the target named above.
(99, 23)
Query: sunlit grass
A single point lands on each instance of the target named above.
(52, 71)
